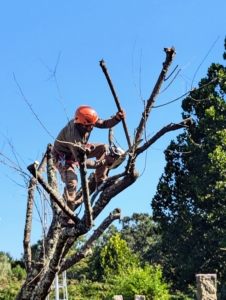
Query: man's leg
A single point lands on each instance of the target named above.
(69, 177)
(100, 153)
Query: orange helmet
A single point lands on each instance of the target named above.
(85, 115)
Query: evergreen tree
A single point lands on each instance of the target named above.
(116, 257)
(189, 205)
(139, 231)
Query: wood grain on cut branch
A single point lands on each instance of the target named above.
(170, 53)
(28, 221)
(171, 127)
(86, 248)
(53, 193)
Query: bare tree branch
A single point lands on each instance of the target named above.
(85, 188)
(53, 193)
(170, 52)
(55, 226)
(112, 191)
(58, 241)
(28, 222)
(104, 69)
(172, 73)
(173, 126)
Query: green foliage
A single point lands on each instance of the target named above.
(5, 266)
(88, 290)
(116, 257)
(11, 278)
(81, 270)
(9, 287)
(139, 231)
(146, 281)
(96, 271)
(120, 271)
(189, 205)
(35, 250)
(19, 272)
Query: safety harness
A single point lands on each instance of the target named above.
(63, 161)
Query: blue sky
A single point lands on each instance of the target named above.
(130, 37)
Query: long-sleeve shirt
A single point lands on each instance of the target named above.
(73, 133)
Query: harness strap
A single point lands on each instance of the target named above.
(67, 161)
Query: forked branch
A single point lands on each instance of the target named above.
(171, 127)
(170, 52)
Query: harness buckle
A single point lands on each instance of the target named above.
(62, 162)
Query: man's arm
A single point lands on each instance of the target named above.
(108, 123)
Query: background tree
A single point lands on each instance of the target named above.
(119, 272)
(12, 276)
(5, 266)
(116, 257)
(189, 206)
(139, 231)
(57, 241)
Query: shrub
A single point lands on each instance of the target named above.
(142, 281)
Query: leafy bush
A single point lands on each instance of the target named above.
(88, 290)
(9, 287)
(19, 272)
(116, 257)
(5, 266)
(147, 281)
(142, 281)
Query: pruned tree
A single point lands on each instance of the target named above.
(58, 241)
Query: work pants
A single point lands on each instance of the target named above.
(69, 176)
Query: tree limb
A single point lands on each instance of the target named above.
(112, 191)
(86, 248)
(53, 193)
(28, 222)
(85, 189)
(104, 69)
(171, 127)
(49, 241)
(170, 52)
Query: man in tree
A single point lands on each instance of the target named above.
(65, 151)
